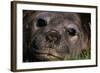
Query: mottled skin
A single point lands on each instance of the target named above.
(55, 35)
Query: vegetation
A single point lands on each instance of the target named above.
(85, 54)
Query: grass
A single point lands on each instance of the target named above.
(85, 54)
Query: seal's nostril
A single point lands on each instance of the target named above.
(53, 36)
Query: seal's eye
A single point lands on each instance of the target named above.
(71, 31)
(41, 22)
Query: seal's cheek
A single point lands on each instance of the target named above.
(73, 39)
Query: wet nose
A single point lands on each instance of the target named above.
(53, 36)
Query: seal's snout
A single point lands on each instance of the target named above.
(53, 36)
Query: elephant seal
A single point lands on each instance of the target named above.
(55, 36)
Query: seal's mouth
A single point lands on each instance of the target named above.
(47, 55)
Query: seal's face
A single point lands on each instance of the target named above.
(56, 35)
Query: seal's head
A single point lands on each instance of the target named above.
(56, 35)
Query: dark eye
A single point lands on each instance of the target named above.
(71, 31)
(41, 23)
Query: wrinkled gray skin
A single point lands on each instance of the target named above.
(55, 36)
